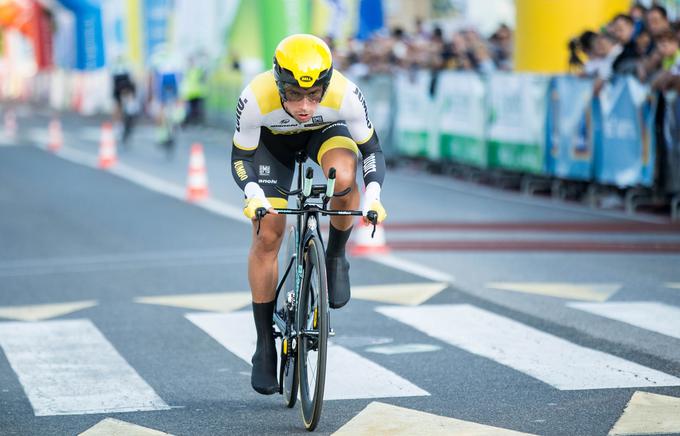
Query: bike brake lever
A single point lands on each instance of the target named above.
(372, 217)
(342, 193)
(260, 212)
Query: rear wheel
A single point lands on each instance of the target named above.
(312, 345)
(288, 377)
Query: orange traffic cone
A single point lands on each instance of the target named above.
(197, 181)
(362, 242)
(10, 124)
(107, 147)
(56, 139)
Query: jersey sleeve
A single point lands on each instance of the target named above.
(246, 138)
(355, 113)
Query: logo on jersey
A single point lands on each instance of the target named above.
(360, 96)
(265, 170)
(317, 119)
(370, 165)
(306, 79)
(239, 110)
(240, 170)
(286, 121)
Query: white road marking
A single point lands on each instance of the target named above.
(385, 419)
(404, 348)
(648, 413)
(68, 367)
(410, 294)
(657, 317)
(153, 183)
(573, 291)
(548, 358)
(673, 285)
(217, 302)
(115, 427)
(348, 375)
(40, 312)
(412, 267)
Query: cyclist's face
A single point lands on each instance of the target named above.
(302, 103)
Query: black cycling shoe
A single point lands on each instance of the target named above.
(337, 271)
(263, 378)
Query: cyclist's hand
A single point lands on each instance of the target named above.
(371, 201)
(256, 199)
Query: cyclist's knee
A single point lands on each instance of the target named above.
(345, 164)
(345, 178)
(269, 239)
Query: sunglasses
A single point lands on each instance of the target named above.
(295, 94)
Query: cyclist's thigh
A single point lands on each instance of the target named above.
(333, 136)
(275, 165)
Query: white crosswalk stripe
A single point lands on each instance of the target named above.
(68, 367)
(553, 360)
(348, 375)
(649, 315)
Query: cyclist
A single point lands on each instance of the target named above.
(301, 104)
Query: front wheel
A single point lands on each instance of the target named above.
(313, 339)
(288, 377)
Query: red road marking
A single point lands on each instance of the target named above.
(572, 246)
(538, 226)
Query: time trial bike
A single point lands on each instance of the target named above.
(302, 314)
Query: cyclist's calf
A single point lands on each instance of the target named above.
(262, 261)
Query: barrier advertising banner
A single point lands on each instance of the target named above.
(460, 105)
(517, 115)
(415, 117)
(570, 153)
(626, 155)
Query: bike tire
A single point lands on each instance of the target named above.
(313, 317)
(288, 376)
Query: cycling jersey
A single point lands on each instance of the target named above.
(262, 120)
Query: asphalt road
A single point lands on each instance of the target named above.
(119, 300)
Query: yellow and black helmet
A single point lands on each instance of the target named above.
(302, 60)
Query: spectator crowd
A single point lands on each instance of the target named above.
(425, 49)
(644, 43)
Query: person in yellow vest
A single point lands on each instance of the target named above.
(193, 92)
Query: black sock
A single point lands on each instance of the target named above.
(263, 378)
(337, 239)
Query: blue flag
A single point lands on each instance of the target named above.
(370, 18)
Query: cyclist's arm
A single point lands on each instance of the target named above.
(373, 164)
(246, 139)
(355, 113)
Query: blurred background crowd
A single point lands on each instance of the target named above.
(644, 42)
(562, 93)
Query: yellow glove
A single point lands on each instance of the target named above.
(255, 199)
(379, 209)
(372, 201)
